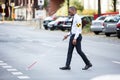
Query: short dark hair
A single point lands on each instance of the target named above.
(73, 8)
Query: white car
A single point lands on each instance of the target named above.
(110, 25)
(54, 24)
(97, 25)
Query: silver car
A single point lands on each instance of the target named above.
(110, 25)
(1, 17)
(97, 25)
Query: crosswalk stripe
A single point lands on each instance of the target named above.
(1, 61)
(12, 70)
(23, 77)
(17, 73)
(7, 66)
(3, 64)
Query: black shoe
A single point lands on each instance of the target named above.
(65, 68)
(87, 67)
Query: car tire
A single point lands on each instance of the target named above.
(63, 29)
(46, 28)
(96, 33)
(107, 34)
(52, 28)
(118, 35)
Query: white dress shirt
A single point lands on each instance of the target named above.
(76, 26)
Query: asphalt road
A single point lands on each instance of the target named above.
(27, 53)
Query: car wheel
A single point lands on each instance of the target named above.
(46, 28)
(52, 28)
(63, 29)
(96, 33)
(107, 34)
(118, 35)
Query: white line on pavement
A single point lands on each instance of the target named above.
(13, 71)
(1, 61)
(23, 77)
(48, 45)
(7, 66)
(117, 62)
(3, 64)
(10, 70)
(107, 77)
(17, 73)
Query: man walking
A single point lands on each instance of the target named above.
(75, 40)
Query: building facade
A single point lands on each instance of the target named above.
(25, 9)
(106, 5)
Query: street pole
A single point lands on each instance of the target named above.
(68, 1)
(99, 8)
(12, 4)
(3, 13)
(40, 4)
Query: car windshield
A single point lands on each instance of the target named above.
(112, 19)
(49, 18)
(101, 18)
(62, 19)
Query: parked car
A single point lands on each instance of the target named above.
(1, 17)
(97, 25)
(46, 21)
(118, 29)
(57, 23)
(110, 25)
(67, 24)
(91, 18)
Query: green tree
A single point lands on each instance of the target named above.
(64, 7)
(45, 3)
(77, 4)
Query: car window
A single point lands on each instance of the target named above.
(112, 19)
(101, 18)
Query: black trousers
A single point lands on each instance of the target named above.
(78, 48)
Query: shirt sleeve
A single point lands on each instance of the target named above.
(78, 28)
(68, 33)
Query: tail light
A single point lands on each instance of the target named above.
(118, 25)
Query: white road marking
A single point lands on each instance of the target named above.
(23, 77)
(7, 66)
(117, 62)
(45, 44)
(107, 77)
(13, 71)
(17, 73)
(10, 70)
(1, 61)
(3, 64)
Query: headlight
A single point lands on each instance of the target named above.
(118, 28)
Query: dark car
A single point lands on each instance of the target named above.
(67, 24)
(118, 29)
(110, 25)
(46, 21)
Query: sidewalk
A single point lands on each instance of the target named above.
(32, 23)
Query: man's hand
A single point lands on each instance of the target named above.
(74, 41)
(65, 37)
